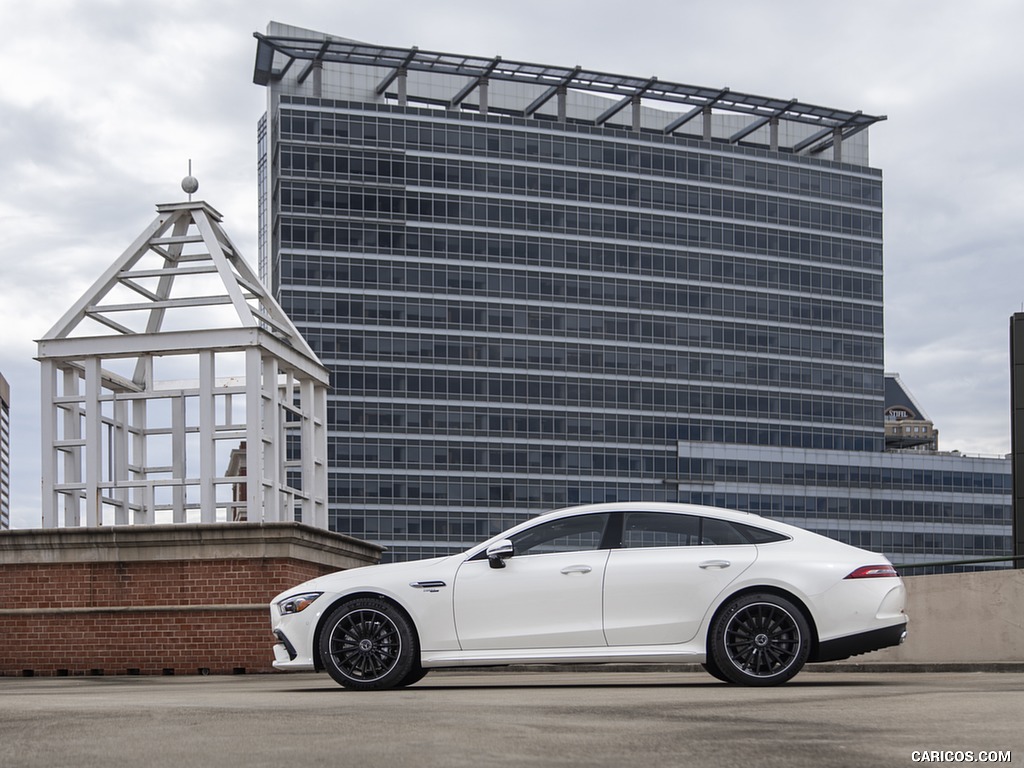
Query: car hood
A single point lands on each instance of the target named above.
(371, 576)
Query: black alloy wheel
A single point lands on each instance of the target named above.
(367, 645)
(760, 639)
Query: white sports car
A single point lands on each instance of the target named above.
(751, 599)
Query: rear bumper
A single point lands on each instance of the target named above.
(863, 642)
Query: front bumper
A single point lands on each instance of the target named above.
(285, 663)
(294, 650)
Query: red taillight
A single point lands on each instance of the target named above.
(873, 572)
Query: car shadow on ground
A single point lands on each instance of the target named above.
(805, 682)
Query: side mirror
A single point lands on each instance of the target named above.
(499, 552)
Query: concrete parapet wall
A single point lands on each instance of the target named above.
(964, 617)
(180, 599)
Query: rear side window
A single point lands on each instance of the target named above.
(721, 533)
(663, 529)
(657, 529)
(759, 535)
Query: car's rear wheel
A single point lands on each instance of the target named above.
(416, 674)
(367, 644)
(760, 639)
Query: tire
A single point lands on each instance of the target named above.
(759, 640)
(712, 669)
(416, 674)
(369, 645)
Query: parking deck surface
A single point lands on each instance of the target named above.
(488, 719)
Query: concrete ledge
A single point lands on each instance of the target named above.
(961, 617)
(213, 541)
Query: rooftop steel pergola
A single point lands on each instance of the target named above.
(276, 55)
(130, 433)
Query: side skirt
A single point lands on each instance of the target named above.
(659, 654)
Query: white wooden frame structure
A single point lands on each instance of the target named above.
(123, 446)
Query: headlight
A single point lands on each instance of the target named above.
(297, 603)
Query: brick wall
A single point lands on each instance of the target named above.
(110, 601)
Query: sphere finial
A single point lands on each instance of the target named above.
(190, 183)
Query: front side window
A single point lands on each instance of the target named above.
(571, 534)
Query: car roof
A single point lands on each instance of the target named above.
(653, 506)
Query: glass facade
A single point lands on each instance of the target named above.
(525, 313)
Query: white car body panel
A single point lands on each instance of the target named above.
(665, 602)
(540, 601)
(654, 604)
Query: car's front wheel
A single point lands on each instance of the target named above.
(712, 669)
(760, 639)
(367, 644)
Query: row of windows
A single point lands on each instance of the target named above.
(574, 190)
(551, 492)
(421, 456)
(648, 226)
(535, 494)
(467, 527)
(313, 162)
(479, 174)
(659, 272)
(846, 508)
(555, 219)
(525, 390)
(522, 424)
(325, 234)
(776, 473)
(349, 452)
(557, 356)
(580, 326)
(771, 309)
(452, 281)
(672, 156)
(897, 543)
(658, 224)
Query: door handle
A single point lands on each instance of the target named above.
(576, 569)
(718, 564)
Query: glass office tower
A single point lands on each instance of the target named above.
(539, 286)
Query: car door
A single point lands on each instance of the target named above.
(547, 595)
(669, 569)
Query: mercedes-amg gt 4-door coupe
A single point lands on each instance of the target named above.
(749, 598)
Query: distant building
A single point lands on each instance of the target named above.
(906, 425)
(5, 454)
(538, 286)
(1017, 430)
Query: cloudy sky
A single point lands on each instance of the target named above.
(103, 103)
